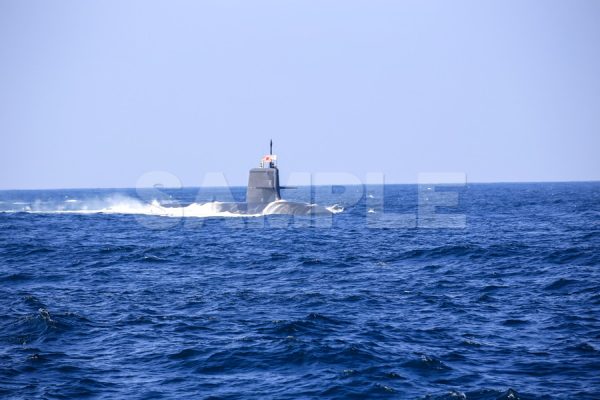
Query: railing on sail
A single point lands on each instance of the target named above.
(269, 161)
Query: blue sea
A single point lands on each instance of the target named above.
(114, 293)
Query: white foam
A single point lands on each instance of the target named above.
(335, 209)
(120, 204)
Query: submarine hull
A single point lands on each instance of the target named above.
(278, 207)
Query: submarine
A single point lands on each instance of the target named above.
(263, 194)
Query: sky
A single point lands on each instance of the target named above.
(99, 93)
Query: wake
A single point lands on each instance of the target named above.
(131, 206)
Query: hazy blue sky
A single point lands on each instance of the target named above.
(96, 93)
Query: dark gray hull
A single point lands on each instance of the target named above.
(278, 207)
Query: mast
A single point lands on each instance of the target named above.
(271, 160)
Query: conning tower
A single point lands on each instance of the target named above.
(263, 182)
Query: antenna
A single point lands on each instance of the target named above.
(271, 147)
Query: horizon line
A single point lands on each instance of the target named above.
(320, 185)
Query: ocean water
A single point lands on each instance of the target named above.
(120, 294)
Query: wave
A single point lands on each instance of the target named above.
(127, 205)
